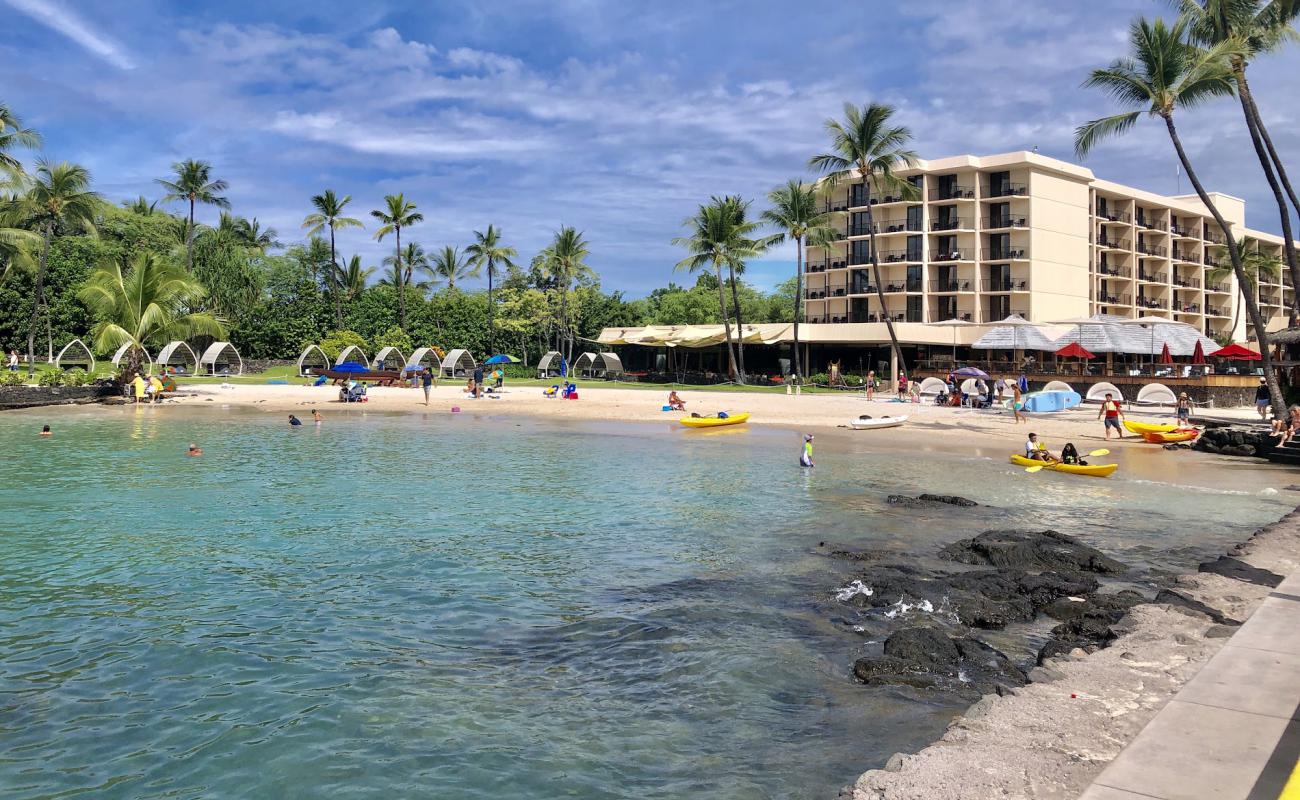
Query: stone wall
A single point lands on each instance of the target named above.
(33, 396)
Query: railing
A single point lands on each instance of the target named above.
(1115, 272)
(1010, 254)
(1151, 302)
(886, 198)
(951, 286)
(1152, 250)
(1005, 221)
(1179, 230)
(831, 206)
(896, 226)
(940, 315)
(898, 256)
(954, 254)
(1220, 288)
(1186, 257)
(1153, 277)
(1214, 236)
(1005, 189)
(1184, 283)
(862, 287)
(999, 285)
(1114, 216)
(951, 224)
(952, 193)
(1211, 261)
(1215, 311)
(822, 266)
(1113, 244)
(1115, 300)
(1151, 225)
(1190, 308)
(906, 286)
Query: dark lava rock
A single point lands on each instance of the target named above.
(1178, 446)
(929, 499)
(1170, 597)
(927, 658)
(1089, 624)
(1239, 570)
(1031, 550)
(1115, 605)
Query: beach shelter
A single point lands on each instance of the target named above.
(126, 348)
(1058, 386)
(954, 324)
(1014, 333)
(75, 354)
(932, 386)
(458, 364)
(179, 356)
(351, 353)
(1098, 391)
(607, 366)
(385, 355)
(425, 358)
(1154, 394)
(1198, 355)
(549, 366)
(1165, 357)
(221, 358)
(1236, 352)
(312, 359)
(584, 365)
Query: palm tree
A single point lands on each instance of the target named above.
(451, 265)
(487, 251)
(868, 145)
(1250, 28)
(13, 134)
(397, 213)
(794, 213)
(258, 238)
(1256, 264)
(1164, 73)
(402, 269)
(194, 184)
(720, 237)
(566, 261)
(145, 306)
(58, 197)
(329, 214)
(351, 280)
(141, 205)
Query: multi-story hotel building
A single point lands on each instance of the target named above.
(1020, 233)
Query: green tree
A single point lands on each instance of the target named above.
(1161, 74)
(566, 261)
(350, 281)
(1255, 263)
(450, 265)
(12, 135)
(396, 214)
(141, 205)
(867, 145)
(193, 183)
(487, 252)
(145, 306)
(329, 214)
(796, 215)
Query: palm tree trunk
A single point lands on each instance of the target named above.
(798, 301)
(491, 321)
(740, 329)
(38, 294)
(49, 333)
(1268, 145)
(726, 323)
(401, 281)
(334, 281)
(1252, 125)
(880, 287)
(189, 240)
(1243, 284)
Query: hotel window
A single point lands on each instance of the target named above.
(913, 279)
(947, 308)
(914, 218)
(860, 251)
(913, 308)
(914, 248)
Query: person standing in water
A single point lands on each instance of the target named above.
(294, 421)
(316, 417)
(426, 380)
(805, 458)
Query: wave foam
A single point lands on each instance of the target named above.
(853, 590)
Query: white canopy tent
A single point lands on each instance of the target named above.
(931, 387)
(80, 354)
(584, 365)
(219, 359)
(550, 365)
(1098, 391)
(1156, 394)
(425, 357)
(312, 358)
(180, 354)
(1058, 386)
(351, 353)
(126, 348)
(382, 357)
(1014, 333)
(458, 364)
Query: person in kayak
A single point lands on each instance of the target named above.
(1037, 451)
(805, 458)
(1070, 455)
(1113, 413)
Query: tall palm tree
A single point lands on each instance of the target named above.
(396, 214)
(1251, 28)
(141, 205)
(352, 278)
(1161, 74)
(329, 214)
(258, 238)
(487, 251)
(403, 269)
(721, 237)
(795, 214)
(450, 265)
(566, 261)
(193, 183)
(1255, 263)
(867, 145)
(147, 305)
(13, 134)
(58, 197)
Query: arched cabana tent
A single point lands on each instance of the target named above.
(458, 364)
(312, 359)
(126, 348)
(75, 354)
(425, 357)
(1098, 392)
(584, 366)
(351, 353)
(1058, 386)
(221, 358)
(608, 366)
(1156, 394)
(387, 355)
(932, 387)
(178, 354)
(551, 365)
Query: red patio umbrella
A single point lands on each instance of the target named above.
(1074, 350)
(1198, 355)
(1236, 352)
(1165, 357)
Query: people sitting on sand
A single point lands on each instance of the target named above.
(1037, 451)
(1070, 455)
(675, 403)
(1289, 427)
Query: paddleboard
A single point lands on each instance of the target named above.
(1045, 402)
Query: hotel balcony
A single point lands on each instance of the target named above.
(1153, 277)
(901, 287)
(1151, 225)
(952, 224)
(952, 287)
(1214, 261)
(889, 198)
(1109, 271)
(899, 257)
(992, 313)
(1216, 311)
(1152, 250)
(1115, 300)
(1114, 218)
(1009, 254)
(952, 193)
(1213, 236)
(834, 205)
(953, 254)
(1108, 243)
(1004, 221)
(1154, 303)
(1218, 288)
(1183, 232)
(1186, 283)
(1186, 256)
(995, 189)
(997, 285)
(886, 227)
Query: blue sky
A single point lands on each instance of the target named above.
(618, 118)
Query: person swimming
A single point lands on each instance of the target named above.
(45, 431)
(805, 458)
(294, 420)
(316, 417)
(194, 450)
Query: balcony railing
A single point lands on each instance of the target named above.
(999, 254)
(893, 226)
(1189, 308)
(943, 315)
(995, 313)
(1181, 230)
(948, 287)
(1152, 250)
(1220, 288)
(892, 197)
(1214, 236)
(1153, 277)
(951, 224)
(1212, 261)
(1151, 224)
(1005, 189)
(1005, 221)
(895, 287)
(1186, 256)
(1151, 302)
(953, 254)
(830, 206)
(999, 285)
(1184, 283)
(1114, 272)
(1114, 216)
(899, 256)
(952, 193)
(1114, 299)
(1215, 311)
(1113, 244)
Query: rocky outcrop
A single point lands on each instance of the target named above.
(1239, 570)
(1031, 550)
(929, 658)
(1086, 622)
(34, 396)
(1235, 441)
(923, 500)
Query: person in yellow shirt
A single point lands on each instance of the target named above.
(156, 384)
(137, 385)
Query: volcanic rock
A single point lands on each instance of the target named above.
(1012, 549)
(1239, 570)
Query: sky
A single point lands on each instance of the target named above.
(617, 118)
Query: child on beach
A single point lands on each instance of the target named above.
(805, 458)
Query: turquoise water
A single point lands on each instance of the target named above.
(450, 606)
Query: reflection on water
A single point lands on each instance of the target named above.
(440, 605)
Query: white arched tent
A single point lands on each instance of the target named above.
(1097, 393)
(550, 366)
(126, 348)
(458, 364)
(312, 358)
(221, 358)
(76, 354)
(352, 353)
(178, 354)
(584, 365)
(608, 366)
(1156, 394)
(1058, 386)
(425, 357)
(385, 355)
(931, 387)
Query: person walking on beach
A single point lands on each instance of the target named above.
(478, 382)
(1261, 399)
(902, 386)
(13, 360)
(1015, 403)
(805, 458)
(1113, 413)
(871, 385)
(426, 380)
(1184, 410)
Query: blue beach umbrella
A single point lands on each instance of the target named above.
(970, 372)
(501, 359)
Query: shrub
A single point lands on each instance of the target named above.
(13, 378)
(52, 377)
(394, 337)
(853, 380)
(76, 377)
(819, 379)
(337, 341)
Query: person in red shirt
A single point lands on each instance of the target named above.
(1113, 414)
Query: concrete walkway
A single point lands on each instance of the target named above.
(1233, 731)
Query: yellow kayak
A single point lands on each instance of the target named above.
(1149, 427)
(714, 422)
(1098, 470)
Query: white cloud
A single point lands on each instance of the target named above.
(52, 15)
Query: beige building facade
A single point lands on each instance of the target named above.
(1020, 233)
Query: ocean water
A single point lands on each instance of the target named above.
(441, 605)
